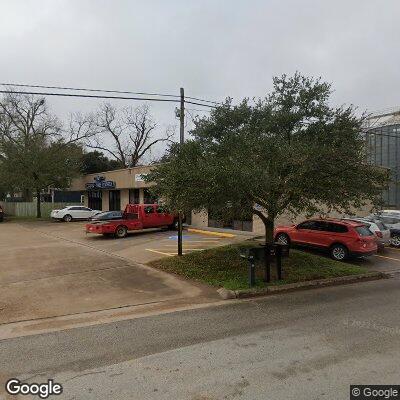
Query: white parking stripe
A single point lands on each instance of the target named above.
(160, 252)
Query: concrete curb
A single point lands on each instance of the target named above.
(290, 287)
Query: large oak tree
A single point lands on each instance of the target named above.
(288, 152)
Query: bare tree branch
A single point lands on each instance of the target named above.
(130, 129)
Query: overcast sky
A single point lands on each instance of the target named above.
(213, 48)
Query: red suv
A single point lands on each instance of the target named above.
(341, 238)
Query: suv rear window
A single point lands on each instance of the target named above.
(363, 231)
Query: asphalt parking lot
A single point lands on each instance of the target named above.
(387, 260)
(51, 270)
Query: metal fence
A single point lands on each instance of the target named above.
(24, 209)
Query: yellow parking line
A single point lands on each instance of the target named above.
(389, 258)
(160, 252)
(222, 234)
(393, 248)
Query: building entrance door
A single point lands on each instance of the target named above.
(95, 201)
(114, 200)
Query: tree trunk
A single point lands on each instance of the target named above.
(269, 224)
(27, 195)
(38, 208)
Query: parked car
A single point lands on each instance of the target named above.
(392, 221)
(341, 238)
(134, 217)
(71, 213)
(390, 212)
(107, 216)
(378, 228)
(1, 214)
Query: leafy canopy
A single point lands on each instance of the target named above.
(288, 152)
(34, 153)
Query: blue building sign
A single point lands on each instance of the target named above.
(100, 183)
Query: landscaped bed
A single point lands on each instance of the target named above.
(223, 267)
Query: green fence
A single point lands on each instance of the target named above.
(23, 209)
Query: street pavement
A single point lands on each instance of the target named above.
(302, 345)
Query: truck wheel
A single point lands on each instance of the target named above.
(67, 218)
(121, 232)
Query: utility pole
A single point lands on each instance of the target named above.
(182, 139)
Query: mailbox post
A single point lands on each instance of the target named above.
(249, 256)
(252, 271)
(265, 253)
(281, 250)
(268, 251)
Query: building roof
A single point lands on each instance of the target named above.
(387, 117)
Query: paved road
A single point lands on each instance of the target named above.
(304, 345)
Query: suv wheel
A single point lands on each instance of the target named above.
(282, 238)
(67, 218)
(121, 232)
(395, 240)
(339, 252)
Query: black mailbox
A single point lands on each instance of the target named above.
(254, 253)
(265, 252)
(276, 249)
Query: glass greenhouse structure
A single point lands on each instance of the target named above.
(383, 149)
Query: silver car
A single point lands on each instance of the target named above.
(378, 228)
(392, 221)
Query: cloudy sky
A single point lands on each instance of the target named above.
(213, 48)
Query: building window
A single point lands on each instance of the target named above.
(134, 196)
(115, 200)
(148, 197)
(239, 223)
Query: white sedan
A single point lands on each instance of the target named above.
(70, 213)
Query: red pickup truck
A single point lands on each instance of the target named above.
(135, 217)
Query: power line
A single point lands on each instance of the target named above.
(87, 90)
(91, 96)
(207, 101)
(198, 104)
(102, 97)
(105, 91)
